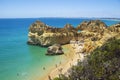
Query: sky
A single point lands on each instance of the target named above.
(59, 8)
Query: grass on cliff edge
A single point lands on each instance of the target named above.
(102, 64)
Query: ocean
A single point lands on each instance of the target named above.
(19, 61)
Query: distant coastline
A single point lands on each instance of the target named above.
(107, 18)
(114, 19)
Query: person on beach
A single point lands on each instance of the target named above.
(60, 70)
(43, 68)
(72, 59)
(65, 55)
(56, 65)
(17, 74)
(60, 62)
(49, 77)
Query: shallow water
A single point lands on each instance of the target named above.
(19, 61)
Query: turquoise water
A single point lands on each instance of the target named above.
(19, 61)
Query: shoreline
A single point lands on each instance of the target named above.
(71, 59)
(72, 55)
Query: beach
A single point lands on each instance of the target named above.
(72, 58)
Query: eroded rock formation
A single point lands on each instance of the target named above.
(44, 35)
(55, 49)
(115, 28)
(94, 30)
(93, 25)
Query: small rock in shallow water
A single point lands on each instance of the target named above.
(55, 49)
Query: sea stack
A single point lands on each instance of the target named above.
(55, 49)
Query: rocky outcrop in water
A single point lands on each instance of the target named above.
(55, 49)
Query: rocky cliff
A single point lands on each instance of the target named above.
(94, 30)
(93, 25)
(115, 28)
(44, 35)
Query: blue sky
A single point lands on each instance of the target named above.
(59, 8)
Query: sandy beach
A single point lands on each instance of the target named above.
(72, 58)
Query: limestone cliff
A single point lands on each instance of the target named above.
(44, 35)
(93, 25)
(94, 30)
(95, 33)
(115, 28)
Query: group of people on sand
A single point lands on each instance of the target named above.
(75, 46)
(60, 70)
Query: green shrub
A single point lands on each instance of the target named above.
(102, 64)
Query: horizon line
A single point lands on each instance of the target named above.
(59, 17)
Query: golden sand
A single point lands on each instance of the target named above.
(72, 55)
(71, 59)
